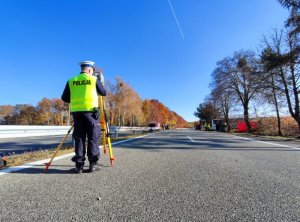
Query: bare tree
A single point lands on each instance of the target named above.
(273, 91)
(222, 94)
(224, 100)
(242, 76)
(285, 62)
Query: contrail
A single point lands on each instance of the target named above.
(176, 19)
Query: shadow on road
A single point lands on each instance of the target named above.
(54, 169)
(183, 143)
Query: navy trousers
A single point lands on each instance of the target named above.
(86, 124)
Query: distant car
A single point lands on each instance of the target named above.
(151, 125)
(154, 126)
(218, 125)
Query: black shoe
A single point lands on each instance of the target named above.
(94, 167)
(78, 171)
(78, 168)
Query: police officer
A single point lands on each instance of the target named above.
(82, 92)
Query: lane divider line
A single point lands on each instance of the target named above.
(190, 138)
(41, 162)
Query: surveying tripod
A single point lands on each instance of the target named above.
(106, 135)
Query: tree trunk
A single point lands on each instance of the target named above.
(246, 116)
(295, 115)
(276, 107)
(278, 122)
(296, 96)
(111, 118)
(226, 118)
(227, 122)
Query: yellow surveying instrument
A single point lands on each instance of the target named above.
(106, 135)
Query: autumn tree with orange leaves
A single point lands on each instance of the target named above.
(123, 104)
(155, 111)
(47, 112)
(124, 107)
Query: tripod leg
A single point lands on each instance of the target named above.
(58, 148)
(102, 125)
(111, 157)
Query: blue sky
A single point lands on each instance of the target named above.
(41, 43)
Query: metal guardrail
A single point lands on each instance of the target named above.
(116, 130)
(14, 131)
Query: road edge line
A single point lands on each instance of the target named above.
(270, 143)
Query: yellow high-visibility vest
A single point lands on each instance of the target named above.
(83, 91)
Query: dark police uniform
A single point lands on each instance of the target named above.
(82, 92)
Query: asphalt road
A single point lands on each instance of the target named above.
(180, 175)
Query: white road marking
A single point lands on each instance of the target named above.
(259, 141)
(28, 165)
(190, 138)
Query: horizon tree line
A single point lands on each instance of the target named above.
(124, 107)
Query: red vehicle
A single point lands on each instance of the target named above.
(242, 126)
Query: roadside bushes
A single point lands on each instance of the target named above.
(268, 126)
